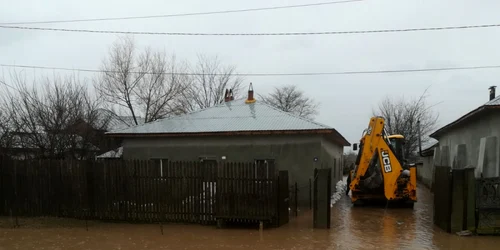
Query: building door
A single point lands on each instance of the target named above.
(208, 169)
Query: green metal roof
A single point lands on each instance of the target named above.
(232, 116)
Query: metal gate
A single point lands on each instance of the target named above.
(488, 205)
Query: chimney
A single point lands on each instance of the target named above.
(250, 98)
(226, 96)
(492, 92)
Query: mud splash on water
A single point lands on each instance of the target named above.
(352, 228)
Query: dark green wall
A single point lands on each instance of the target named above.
(293, 153)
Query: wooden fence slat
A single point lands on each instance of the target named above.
(138, 190)
(176, 192)
(156, 197)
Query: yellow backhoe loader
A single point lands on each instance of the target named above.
(381, 172)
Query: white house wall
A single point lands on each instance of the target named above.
(473, 144)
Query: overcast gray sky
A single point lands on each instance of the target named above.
(346, 100)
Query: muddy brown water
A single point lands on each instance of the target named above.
(352, 228)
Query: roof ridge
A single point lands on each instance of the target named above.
(171, 117)
(489, 104)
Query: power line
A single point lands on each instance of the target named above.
(268, 74)
(255, 34)
(183, 14)
(8, 85)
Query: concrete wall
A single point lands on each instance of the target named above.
(425, 171)
(294, 153)
(332, 157)
(473, 144)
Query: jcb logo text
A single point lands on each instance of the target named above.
(386, 161)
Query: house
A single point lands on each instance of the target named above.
(241, 130)
(47, 144)
(105, 121)
(425, 167)
(472, 140)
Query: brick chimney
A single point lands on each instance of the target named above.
(226, 95)
(492, 92)
(250, 98)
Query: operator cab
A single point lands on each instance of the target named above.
(397, 144)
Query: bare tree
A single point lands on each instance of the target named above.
(52, 118)
(121, 75)
(349, 160)
(141, 83)
(5, 129)
(159, 93)
(401, 116)
(290, 99)
(208, 82)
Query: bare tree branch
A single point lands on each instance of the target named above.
(121, 75)
(159, 92)
(402, 115)
(145, 84)
(290, 99)
(51, 118)
(207, 86)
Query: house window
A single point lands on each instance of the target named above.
(263, 168)
(162, 164)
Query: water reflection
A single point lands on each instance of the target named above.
(352, 228)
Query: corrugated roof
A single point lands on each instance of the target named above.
(110, 121)
(233, 116)
(494, 103)
(429, 150)
(116, 153)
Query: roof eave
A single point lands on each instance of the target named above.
(429, 151)
(223, 133)
(339, 138)
(438, 133)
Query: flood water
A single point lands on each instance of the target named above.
(351, 228)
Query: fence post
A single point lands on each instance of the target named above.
(90, 189)
(457, 200)
(470, 199)
(322, 197)
(443, 198)
(310, 194)
(283, 198)
(296, 199)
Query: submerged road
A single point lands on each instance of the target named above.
(352, 228)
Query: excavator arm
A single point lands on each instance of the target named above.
(379, 174)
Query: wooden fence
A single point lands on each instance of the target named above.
(133, 190)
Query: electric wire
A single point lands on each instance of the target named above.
(264, 74)
(182, 14)
(253, 34)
